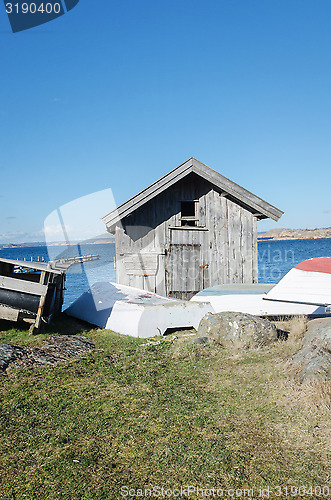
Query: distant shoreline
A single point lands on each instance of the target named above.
(59, 244)
(295, 234)
(261, 238)
(271, 235)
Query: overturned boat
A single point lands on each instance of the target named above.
(33, 291)
(132, 311)
(304, 290)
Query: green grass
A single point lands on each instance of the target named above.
(166, 415)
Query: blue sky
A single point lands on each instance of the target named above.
(114, 94)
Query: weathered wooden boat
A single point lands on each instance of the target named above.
(304, 290)
(33, 291)
(135, 312)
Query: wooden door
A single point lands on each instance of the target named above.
(184, 267)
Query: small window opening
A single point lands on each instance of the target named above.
(188, 208)
(188, 213)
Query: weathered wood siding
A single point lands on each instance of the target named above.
(155, 253)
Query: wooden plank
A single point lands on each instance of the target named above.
(210, 249)
(247, 221)
(220, 256)
(141, 263)
(18, 285)
(36, 327)
(228, 278)
(233, 243)
(224, 236)
(201, 210)
(160, 277)
(255, 251)
(149, 283)
(121, 274)
(188, 228)
(9, 313)
(40, 266)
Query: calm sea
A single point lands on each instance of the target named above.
(276, 258)
(81, 276)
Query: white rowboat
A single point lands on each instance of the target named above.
(304, 290)
(135, 312)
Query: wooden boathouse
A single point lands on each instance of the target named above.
(189, 230)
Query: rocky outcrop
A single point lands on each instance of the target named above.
(296, 234)
(237, 330)
(315, 356)
(58, 349)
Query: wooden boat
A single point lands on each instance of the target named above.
(33, 291)
(135, 312)
(304, 290)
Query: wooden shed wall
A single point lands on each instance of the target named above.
(155, 253)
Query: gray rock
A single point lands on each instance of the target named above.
(319, 367)
(318, 331)
(238, 330)
(315, 355)
(8, 354)
(200, 340)
(57, 350)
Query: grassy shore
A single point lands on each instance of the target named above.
(167, 415)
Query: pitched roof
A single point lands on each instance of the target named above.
(236, 192)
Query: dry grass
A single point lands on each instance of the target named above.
(279, 416)
(269, 369)
(313, 393)
(295, 327)
(168, 414)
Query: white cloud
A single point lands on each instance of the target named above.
(21, 237)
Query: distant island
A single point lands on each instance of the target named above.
(272, 234)
(295, 234)
(98, 240)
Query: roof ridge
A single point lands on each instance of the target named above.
(234, 190)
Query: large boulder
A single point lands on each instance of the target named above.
(314, 357)
(237, 330)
